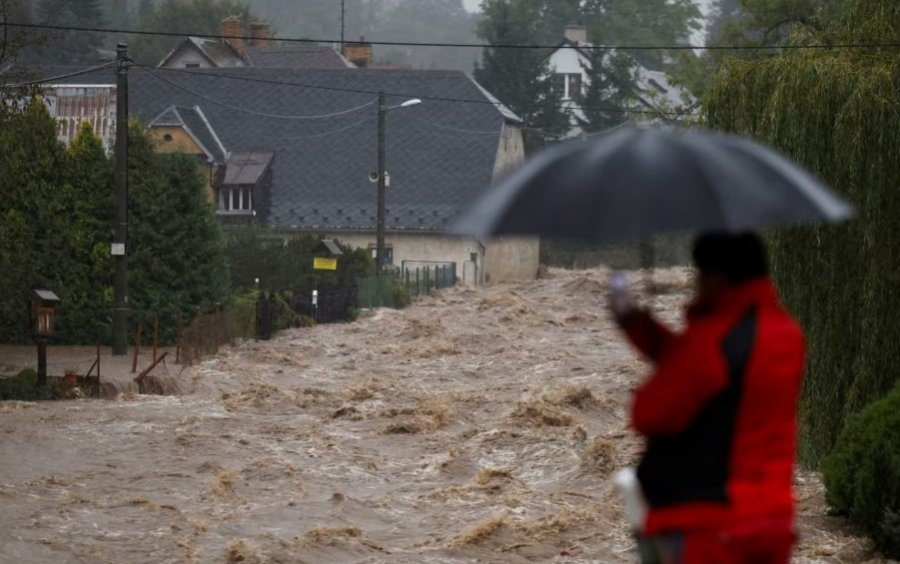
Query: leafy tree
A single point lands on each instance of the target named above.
(642, 22)
(442, 21)
(835, 111)
(71, 47)
(187, 17)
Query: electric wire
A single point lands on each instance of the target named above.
(456, 129)
(564, 106)
(314, 136)
(597, 47)
(252, 112)
(62, 76)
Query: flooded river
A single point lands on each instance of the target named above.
(477, 425)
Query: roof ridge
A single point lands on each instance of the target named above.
(212, 131)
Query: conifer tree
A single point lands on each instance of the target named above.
(176, 253)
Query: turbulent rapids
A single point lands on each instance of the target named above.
(479, 424)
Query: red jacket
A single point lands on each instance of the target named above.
(720, 411)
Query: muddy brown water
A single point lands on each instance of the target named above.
(477, 425)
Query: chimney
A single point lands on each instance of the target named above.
(360, 54)
(259, 34)
(577, 34)
(231, 29)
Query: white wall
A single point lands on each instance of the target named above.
(188, 54)
(508, 259)
(568, 61)
(511, 152)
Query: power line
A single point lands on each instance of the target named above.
(251, 112)
(315, 136)
(563, 106)
(598, 47)
(456, 129)
(62, 76)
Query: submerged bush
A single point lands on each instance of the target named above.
(862, 474)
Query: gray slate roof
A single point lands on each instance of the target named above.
(440, 154)
(296, 57)
(219, 53)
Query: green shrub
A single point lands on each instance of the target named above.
(400, 295)
(22, 387)
(862, 473)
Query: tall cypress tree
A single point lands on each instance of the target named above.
(32, 212)
(176, 252)
(87, 278)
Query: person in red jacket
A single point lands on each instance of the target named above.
(719, 413)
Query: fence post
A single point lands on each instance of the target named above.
(179, 337)
(198, 342)
(417, 282)
(217, 336)
(155, 335)
(137, 347)
(98, 370)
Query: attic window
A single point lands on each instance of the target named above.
(167, 137)
(192, 65)
(238, 200)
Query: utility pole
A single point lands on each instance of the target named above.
(379, 237)
(343, 20)
(120, 313)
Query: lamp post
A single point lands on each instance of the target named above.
(383, 109)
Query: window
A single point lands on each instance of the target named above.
(569, 85)
(573, 86)
(192, 65)
(167, 137)
(236, 200)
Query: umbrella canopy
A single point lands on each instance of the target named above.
(638, 182)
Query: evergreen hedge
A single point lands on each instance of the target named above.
(835, 111)
(862, 473)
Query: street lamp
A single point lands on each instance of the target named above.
(383, 109)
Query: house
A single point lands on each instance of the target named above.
(256, 51)
(651, 90)
(72, 104)
(293, 150)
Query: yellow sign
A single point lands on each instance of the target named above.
(325, 263)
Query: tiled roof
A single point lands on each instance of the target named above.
(219, 53)
(440, 154)
(296, 57)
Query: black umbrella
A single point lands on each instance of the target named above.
(638, 182)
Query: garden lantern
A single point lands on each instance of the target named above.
(43, 305)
